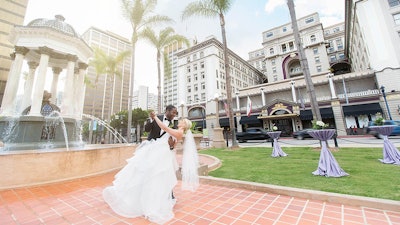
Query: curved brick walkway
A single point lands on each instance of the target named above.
(80, 202)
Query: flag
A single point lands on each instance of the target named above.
(248, 112)
(226, 108)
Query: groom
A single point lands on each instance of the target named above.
(156, 132)
(168, 119)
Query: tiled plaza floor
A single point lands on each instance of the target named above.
(80, 202)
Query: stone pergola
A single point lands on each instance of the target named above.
(45, 44)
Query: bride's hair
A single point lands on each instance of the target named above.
(188, 124)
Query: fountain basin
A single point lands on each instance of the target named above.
(38, 132)
(36, 167)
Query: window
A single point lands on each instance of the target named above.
(273, 69)
(393, 3)
(284, 29)
(396, 18)
(313, 38)
(202, 65)
(195, 77)
(271, 51)
(336, 29)
(273, 62)
(319, 69)
(189, 89)
(315, 50)
(188, 79)
(188, 59)
(333, 58)
(291, 45)
(317, 60)
(284, 48)
(202, 75)
(310, 20)
(196, 88)
(341, 56)
(201, 54)
(203, 86)
(269, 34)
(188, 69)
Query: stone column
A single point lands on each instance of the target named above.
(8, 105)
(54, 84)
(293, 91)
(331, 86)
(38, 89)
(28, 87)
(81, 88)
(218, 139)
(67, 108)
(238, 114)
(262, 96)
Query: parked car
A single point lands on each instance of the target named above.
(253, 133)
(395, 132)
(302, 134)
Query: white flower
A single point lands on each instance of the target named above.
(320, 123)
(274, 128)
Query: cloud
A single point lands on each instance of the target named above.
(272, 4)
(329, 13)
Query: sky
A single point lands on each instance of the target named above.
(245, 22)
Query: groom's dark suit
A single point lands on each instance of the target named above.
(155, 130)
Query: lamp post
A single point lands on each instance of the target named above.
(182, 105)
(384, 98)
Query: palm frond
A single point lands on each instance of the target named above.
(205, 8)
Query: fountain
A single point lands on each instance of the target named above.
(47, 131)
(40, 134)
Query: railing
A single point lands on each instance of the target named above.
(323, 98)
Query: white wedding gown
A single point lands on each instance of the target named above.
(144, 186)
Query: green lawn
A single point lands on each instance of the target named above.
(368, 176)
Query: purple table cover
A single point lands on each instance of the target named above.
(277, 150)
(327, 165)
(391, 154)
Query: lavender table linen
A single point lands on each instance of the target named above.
(327, 165)
(391, 154)
(277, 150)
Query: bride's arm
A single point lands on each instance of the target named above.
(177, 133)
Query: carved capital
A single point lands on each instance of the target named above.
(21, 50)
(57, 70)
(83, 66)
(72, 58)
(33, 65)
(45, 50)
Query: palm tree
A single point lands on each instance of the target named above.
(99, 66)
(108, 65)
(212, 9)
(165, 37)
(140, 15)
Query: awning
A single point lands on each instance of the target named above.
(250, 120)
(326, 113)
(224, 122)
(281, 116)
(363, 109)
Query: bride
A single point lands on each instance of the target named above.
(144, 186)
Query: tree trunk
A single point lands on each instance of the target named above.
(228, 83)
(131, 91)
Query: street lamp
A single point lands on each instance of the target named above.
(182, 105)
(384, 98)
